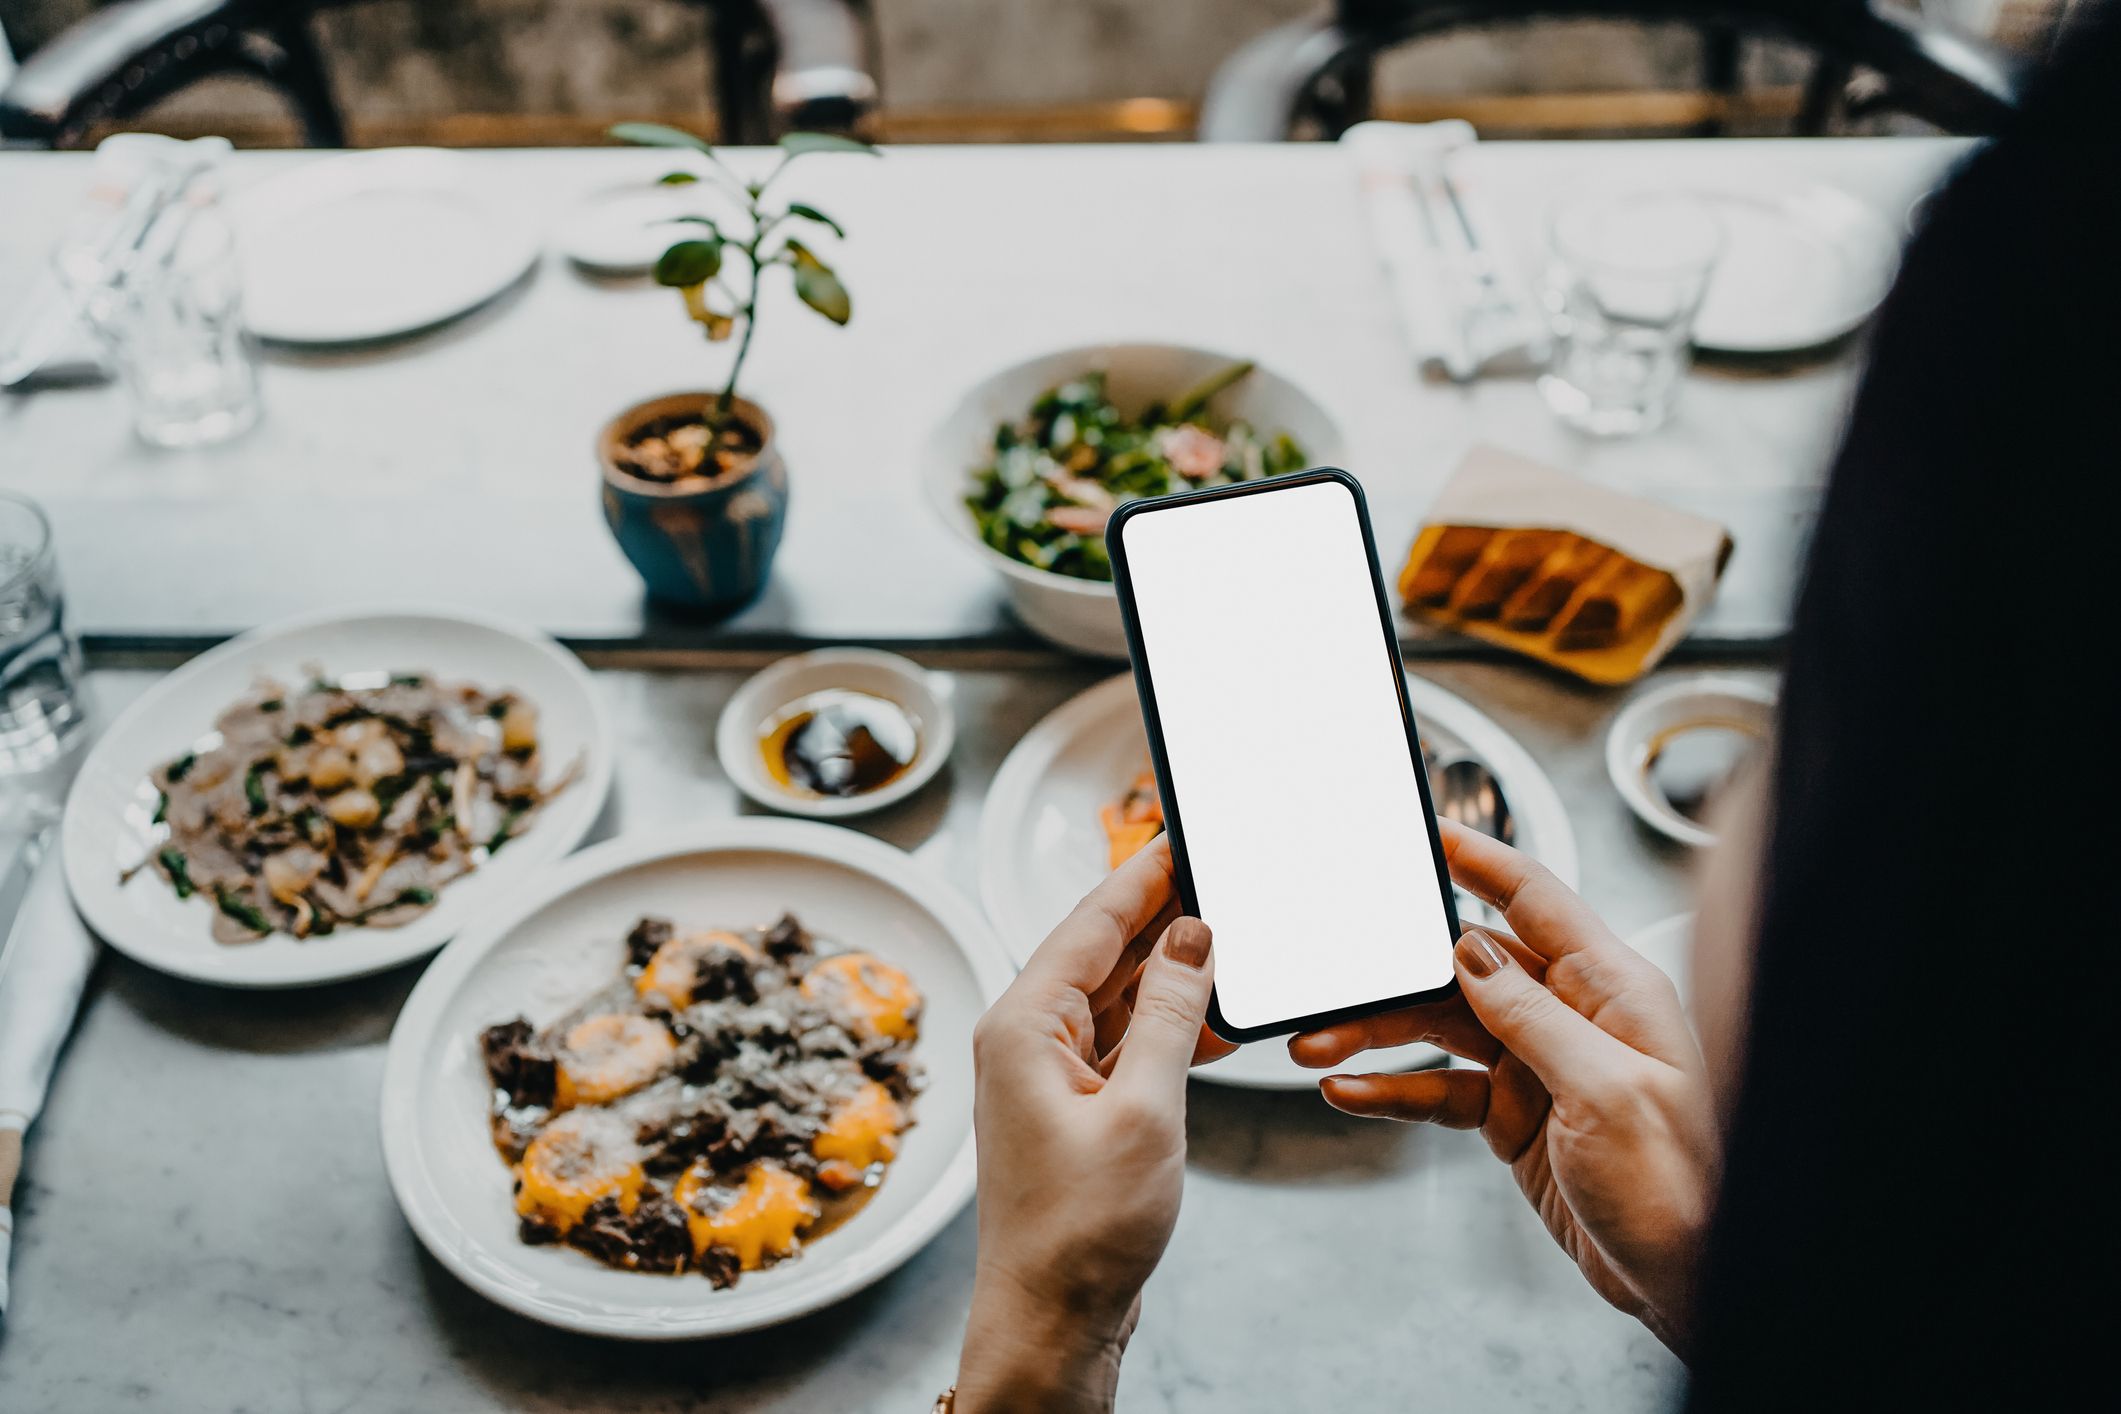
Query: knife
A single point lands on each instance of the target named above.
(44, 969)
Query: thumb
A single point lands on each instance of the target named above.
(1169, 1005)
(1539, 1028)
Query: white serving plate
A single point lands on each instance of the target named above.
(563, 938)
(624, 230)
(106, 827)
(1803, 264)
(373, 245)
(1041, 848)
(1083, 614)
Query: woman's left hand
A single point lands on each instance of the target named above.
(1081, 1122)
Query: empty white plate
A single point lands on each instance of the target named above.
(373, 245)
(107, 831)
(1802, 264)
(561, 939)
(1041, 847)
(624, 230)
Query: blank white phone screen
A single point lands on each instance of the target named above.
(1290, 767)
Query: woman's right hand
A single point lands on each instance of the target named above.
(1594, 1094)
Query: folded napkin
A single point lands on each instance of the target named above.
(44, 967)
(137, 180)
(1594, 581)
(1464, 307)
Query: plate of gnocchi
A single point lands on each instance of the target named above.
(694, 1083)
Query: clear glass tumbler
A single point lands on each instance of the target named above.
(43, 715)
(1627, 274)
(170, 312)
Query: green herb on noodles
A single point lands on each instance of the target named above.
(254, 789)
(179, 870)
(179, 768)
(246, 914)
(501, 835)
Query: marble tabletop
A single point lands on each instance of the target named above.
(456, 468)
(204, 1224)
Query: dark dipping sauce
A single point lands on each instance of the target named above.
(839, 743)
(1689, 765)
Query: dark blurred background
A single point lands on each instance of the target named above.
(555, 72)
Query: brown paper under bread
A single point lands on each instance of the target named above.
(1591, 580)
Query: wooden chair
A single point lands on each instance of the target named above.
(1317, 72)
(778, 65)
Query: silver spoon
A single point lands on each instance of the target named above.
(1467, 792)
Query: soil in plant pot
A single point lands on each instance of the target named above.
(681, 447)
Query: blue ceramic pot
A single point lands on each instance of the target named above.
(702, 543)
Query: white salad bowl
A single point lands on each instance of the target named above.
(1083, 614)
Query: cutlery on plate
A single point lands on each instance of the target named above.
(1467, 793)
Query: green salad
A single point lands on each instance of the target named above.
(1057, 475)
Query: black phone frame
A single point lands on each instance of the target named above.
(1145, 690)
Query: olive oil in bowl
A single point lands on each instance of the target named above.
(839, 743)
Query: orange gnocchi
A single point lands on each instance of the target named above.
(876, 994)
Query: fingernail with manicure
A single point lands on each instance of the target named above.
(1481, 954)
(1187, 942)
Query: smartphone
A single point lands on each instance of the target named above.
(1286, 750)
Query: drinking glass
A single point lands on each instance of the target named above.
(43, 717)
(170, 312)
(1627, 275)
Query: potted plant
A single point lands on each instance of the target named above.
(695, 490)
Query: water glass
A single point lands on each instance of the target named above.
(170, 313)
(1627, 275)
(43, 714)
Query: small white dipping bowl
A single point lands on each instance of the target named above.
(1690, 702)
(1083, 614)
(916, 691)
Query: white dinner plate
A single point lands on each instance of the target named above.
(373, 245)
(1802, 264)
(624, 230)
(107, 830)
(1041, 847)
(564, 938)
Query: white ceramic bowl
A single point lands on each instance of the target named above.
(106, 828)
(1702, 701)
(922, 695)
(1075, 613)
(562, 938)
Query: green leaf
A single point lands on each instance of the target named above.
(689, 263)
(179, 871)
(659, 135)
(796, 144)
(677, 179)
(233, 905)
(811, 213)
(707, 221)
(818, 287)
